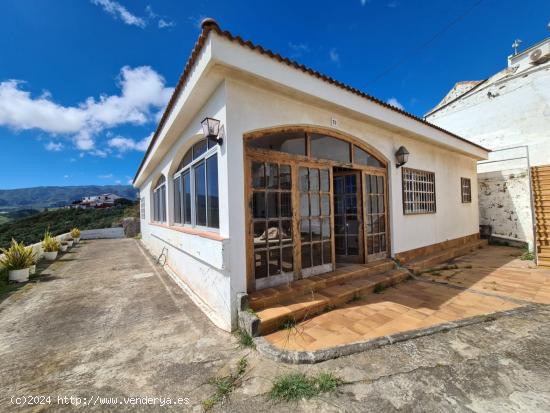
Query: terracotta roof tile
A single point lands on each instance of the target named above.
(211, 25)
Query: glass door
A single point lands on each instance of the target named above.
(272, 223)
(315, 226)
(376, 217)
(347, 216)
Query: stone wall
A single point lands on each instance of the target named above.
(505, 204)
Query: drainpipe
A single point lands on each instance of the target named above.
(532, 198)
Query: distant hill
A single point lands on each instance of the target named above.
(56, 196)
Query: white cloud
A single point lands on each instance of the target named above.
(364, 2)
(334, 56)
(53, 146)
(164, 24)
(106, 176)
(65, 176)
(117, 10)
(197, 20)
(298, 49)
(126, 144)
(143, 95)
(394, 102)
(118, 182)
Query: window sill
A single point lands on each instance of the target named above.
(192, 231)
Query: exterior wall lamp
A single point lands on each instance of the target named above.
(402, 156)
(211, 129)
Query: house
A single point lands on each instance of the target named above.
(509, 112)
(97, 201)
(264, 173)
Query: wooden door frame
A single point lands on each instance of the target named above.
(295, 161)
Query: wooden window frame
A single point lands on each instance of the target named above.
(466, 190)
(428, 198)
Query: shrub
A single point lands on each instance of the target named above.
(75, 233)
(297, 386)
(49, 243)
(17, 256)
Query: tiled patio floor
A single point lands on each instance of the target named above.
(408, 306)
(498, 270)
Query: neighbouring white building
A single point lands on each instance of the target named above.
(299, 175)
(509, 113)
(97, 201)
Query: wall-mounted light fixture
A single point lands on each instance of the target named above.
(211, 129)
(402, 156)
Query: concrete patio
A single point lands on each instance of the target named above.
(106, 321)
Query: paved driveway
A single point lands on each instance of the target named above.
(105, 321)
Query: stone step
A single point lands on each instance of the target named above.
(307, 305)
(273, 296)
(544, 263)
(423, 263)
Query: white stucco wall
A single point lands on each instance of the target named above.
(512, 109)
(200, 262)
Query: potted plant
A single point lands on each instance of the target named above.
(75, 234)
(16, 260)
(64, 246)
(34, 259)
(70, 242)
(51, 246)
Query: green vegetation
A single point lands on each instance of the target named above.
(58, 196)
(245, 339)
(75, 233)
(379, 288)
(29, 230)
(17, 256)
(223, 386)
(49, 243)
(297, 386)
(527, 255)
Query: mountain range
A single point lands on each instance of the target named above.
(57, 196)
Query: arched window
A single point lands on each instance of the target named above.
(196, 196)
(159, 200)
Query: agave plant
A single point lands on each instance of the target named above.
(17, 256)
(49, 243)
(75, 233)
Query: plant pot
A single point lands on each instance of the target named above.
(20, 276)
(76, 240)
(70, 243)
(32, 269)
(50, 256)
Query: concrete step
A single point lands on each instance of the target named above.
(543, 263)
(423, 263)
(307, 305)
(273, 296)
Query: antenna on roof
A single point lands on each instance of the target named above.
(515, 45)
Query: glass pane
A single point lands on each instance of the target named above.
(326, 147)
(314, 179)
(317, 254)
(177, 200)
(339, 225)
(306, 255)
(304, 185)
(286, 232)
(338, 205)
(258, 175)
(287, 259)
(285, 178)
(352, 224)
(327, 252)
(272, 176)
(258, 205)
(351, 184)
(363, 158)
(369, 246)
(340, 244)
(200, 194)
(293, 142)
(274, 261)
(353, 245)
(338, 184)
(380, 181)
(199, 148)
(304, 205)
(351, 204)
(326, 228)
(286, 204)
(325, 205)
(325, 181)
(187, 198)
(272, 204)
(314, 205)
(187, 158)
(260, 235)
(315, 229)
(260, 262)
(213, 212)
(273, 234)
(304, 230)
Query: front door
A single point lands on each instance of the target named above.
(347, 216)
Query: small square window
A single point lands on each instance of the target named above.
(466, 190)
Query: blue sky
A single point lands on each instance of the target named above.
(83, 82)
